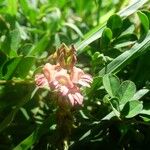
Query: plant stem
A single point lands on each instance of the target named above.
(64, 127)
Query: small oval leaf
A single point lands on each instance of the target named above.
(115, 24)
(106, 38)
(126, 91)
(132, 109)
(144, 21)
(111, 84)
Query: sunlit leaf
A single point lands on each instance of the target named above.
(139, 94)
(132, 109)
(129, 55)
(97, 32)
(126, 91)
(111, 84)
(12, 7)
(144, 20)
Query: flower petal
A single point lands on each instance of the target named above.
(78, 100)
(49, 72)
(64, 90)
(83, 83)
(40, 80)
(80, 97)
(76, 74)
(71, 99)
(86, 80)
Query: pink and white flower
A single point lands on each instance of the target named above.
(65, 81)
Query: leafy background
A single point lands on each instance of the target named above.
(113, 44)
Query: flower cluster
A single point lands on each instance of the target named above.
(64, 77)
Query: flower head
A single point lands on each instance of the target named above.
(64, 77)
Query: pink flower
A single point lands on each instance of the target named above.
(64, 77)
(79, 77)
(57, 76)
(64, 83)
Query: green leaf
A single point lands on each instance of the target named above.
(97, 31)
(91, 37)
(12, 7)
(126, 91)
(25, 49)
(115, 103)
(74, 27)
(106, 38)
(146, 109)
(132, 108)
(128, 27)
(144, 20)
(111, 84)
(125, 38)
(29, 11)
(15, 39)
(139, 94)
(17, 67)
(124, 44)
(115, 24)
(85, 135)
(24, 67)
(147, 13)
(40, 46)
(109, 116)
(122, 60)
(26, 143)
(9, 67)
(25, 6)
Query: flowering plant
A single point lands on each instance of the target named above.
(54, 108)
(63, 77)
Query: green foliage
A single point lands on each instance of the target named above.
(113, 45)
(115, 24)
(132, 109)
(111, 84)
(106, 38)
(144, 23)
(123, 95)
